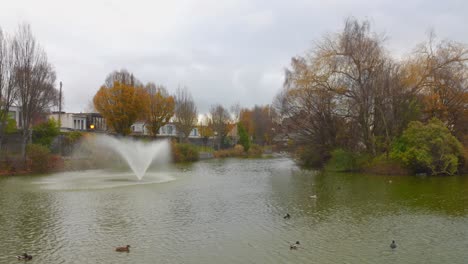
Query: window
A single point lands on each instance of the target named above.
(169, 130)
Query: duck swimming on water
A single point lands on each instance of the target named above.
(295, 245)
(287, 216)
(24, 256)
(123, 249)
(393, 245)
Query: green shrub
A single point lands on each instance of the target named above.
(428, 149)
(44, 133)
(38, 157)
(184, 152)
(342, 160)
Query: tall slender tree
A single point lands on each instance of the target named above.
(161, 107)
(8, 91)
(35, 79)
(185, 113)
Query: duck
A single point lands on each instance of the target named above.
(123, 249)
(287, 216)
(313, 196)
(24, 256)
(393, 245)
(295, 245)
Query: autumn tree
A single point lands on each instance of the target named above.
(221, 123)
(205, 129)
(161, 107)
(121, 105)
(34, 78)
(185, 113)
(259, 123)
(123, 76)
(438, 72)
(348, 93)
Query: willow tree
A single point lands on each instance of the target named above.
(121, 105)
(161, 107)
(438, 72)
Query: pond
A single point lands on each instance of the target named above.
(231, 211)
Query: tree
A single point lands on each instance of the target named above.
(121, 105)
(44, 133)
(429, 148)
(221, 121)
(161, 107)
(205, 128)
(438, 73)
(185, 113)
(8, 91)
(244, 138)
(35, 79)
(123, 76)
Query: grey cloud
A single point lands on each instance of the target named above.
(224, 51)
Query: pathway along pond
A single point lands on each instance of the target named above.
(231, 211)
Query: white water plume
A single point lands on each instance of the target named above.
(138, 154)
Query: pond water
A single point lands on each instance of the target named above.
(231, 211)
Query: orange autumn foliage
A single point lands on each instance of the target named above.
(121, 105)
(161, 108)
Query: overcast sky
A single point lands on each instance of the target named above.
(224, 51)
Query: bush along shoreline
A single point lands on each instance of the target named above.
(423, 149)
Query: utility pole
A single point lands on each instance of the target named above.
(60, 106)
(60, 118)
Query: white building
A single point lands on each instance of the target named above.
(168, 130)
(70, 121)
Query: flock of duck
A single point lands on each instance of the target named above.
(26, 256)
(296, 245)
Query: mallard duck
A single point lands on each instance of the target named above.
(287, 216)
(123, 249)
(393, 245)
(24, 256)
(295, 245)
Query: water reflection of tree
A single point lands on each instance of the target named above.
(365, 196)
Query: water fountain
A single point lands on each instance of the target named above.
(138, 154)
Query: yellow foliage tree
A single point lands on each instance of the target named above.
(121, 105)
(161, 108)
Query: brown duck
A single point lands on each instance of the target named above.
(123, 249)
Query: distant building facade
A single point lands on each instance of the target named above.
(79, 121)
(168, 130)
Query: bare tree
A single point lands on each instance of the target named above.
(185, 113)
(8, 91)
(35, 79)
(221, 121)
